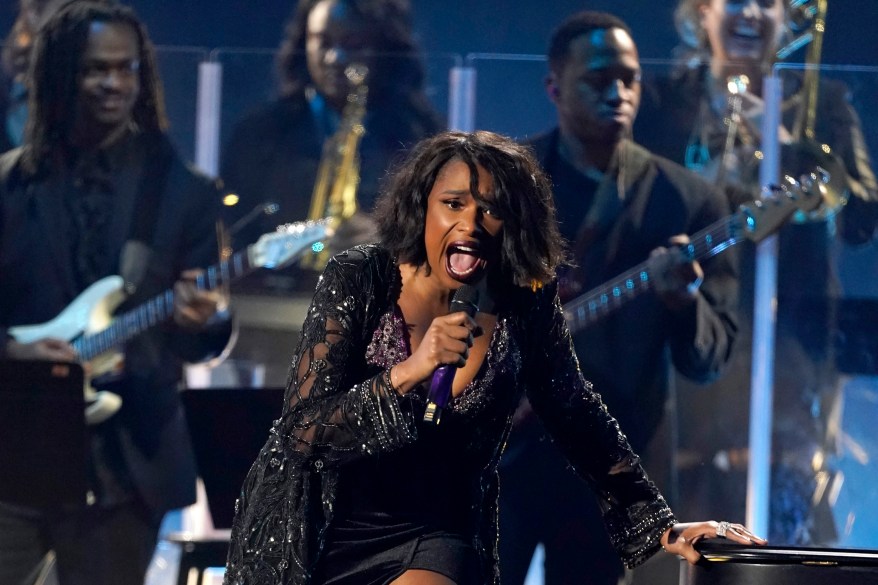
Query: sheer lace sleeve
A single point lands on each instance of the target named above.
(634, 511)
(336, 408)
(336, 404)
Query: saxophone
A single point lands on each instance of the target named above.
(335, 190)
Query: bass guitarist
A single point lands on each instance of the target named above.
(618, 205)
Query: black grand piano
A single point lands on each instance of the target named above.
(727, 563)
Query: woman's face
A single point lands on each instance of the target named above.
(743, 31)
(462, 234)
(336, 37)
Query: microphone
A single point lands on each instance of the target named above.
(465, 299)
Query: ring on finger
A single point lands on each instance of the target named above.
(722, 528)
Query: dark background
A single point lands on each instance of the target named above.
(510, 98)
(466, 26)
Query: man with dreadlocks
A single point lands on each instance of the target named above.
(95, 190)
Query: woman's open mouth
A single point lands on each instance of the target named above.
(463, 261)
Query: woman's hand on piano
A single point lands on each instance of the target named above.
(680, 539)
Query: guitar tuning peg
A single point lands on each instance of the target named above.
(791, 181)
(771, 191)
(807, 181)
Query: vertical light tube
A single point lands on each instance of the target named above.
(462, 98)
(196, 518)
(764, 316)
(207, 128)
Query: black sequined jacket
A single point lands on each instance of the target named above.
(339, 408)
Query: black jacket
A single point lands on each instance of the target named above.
(151, 453)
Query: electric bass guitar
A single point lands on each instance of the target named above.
(89, 325)
(753, 221)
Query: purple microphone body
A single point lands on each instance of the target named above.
(465, 299)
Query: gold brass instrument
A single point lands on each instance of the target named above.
(804, 153)
(335, 191)
(800, 154)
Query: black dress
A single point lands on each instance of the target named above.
(350, 478)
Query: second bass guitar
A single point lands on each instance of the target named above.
(753, 221)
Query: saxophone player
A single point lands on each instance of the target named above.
(287, 151)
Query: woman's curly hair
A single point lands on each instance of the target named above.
(532, 247)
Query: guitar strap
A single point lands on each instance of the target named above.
(153, 180)
(595, 237)
(605, 208)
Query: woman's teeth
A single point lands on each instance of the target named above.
(463, 261)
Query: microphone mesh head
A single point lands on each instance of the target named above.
(466, 298)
